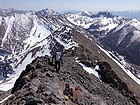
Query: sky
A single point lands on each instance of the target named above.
(63, 5)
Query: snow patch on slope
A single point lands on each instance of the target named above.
(10, 24)
(38, 33)
(123, 34)
(135, 23)
(85, 13)
(90, 69)
(136, 36)
(9, 82)
(44, 50)
(23, 19)
(5, 99)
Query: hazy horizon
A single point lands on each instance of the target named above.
(79, 5)
(64, 11)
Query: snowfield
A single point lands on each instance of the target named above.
(37, 34)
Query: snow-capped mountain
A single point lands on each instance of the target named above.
(97, 24)
(28, 35)
(103, 14)
(80, 19)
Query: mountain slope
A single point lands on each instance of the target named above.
(96, 51)
(26, 36)
(125, 40)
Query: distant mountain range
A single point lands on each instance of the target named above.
(127, 14)
(10, 11)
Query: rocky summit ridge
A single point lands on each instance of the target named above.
(39, 84)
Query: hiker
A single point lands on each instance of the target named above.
(58, 58)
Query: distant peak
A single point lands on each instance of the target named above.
(104, 14)
(85, 13)
(47, 12)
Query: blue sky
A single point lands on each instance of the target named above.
(60, 5)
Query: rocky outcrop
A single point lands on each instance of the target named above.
(110, 77)
(39, 84)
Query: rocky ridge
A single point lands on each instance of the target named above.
(39, 84)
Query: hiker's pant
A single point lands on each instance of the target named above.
(57, 66)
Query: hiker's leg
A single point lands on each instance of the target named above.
(55, 64)
(58, 65)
